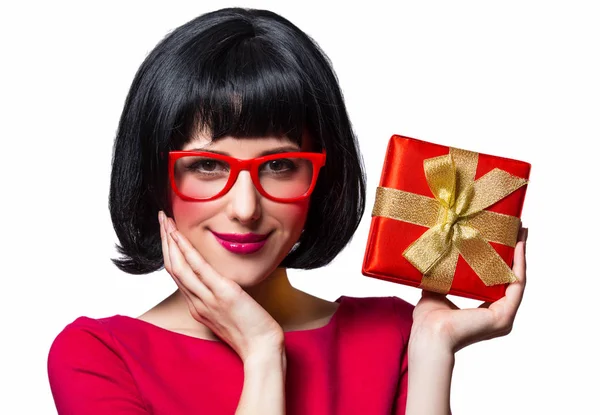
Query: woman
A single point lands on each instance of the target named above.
(235, 160)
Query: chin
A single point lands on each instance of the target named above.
(249, 270)
(246, 276)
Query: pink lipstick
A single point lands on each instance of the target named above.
(241, 243)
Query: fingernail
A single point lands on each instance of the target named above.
(161, 216)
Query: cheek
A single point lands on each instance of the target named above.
(187, 213)
(293, 214)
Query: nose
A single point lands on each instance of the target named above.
(244, 199)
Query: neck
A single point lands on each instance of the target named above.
(275, 294)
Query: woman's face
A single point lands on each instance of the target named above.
(242, 210)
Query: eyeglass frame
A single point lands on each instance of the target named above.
(251, 165)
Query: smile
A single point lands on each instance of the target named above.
(241, 244)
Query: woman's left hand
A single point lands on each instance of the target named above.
(436, 317)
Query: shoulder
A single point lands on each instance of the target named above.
(388, 312)
(85, 329)
(88, 371)
(81, 339)
(378, 305)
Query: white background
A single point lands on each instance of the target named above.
(518, 79)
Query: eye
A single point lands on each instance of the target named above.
(207, 165)
(280, 165)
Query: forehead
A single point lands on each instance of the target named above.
(202, 140)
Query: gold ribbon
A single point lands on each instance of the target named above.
(457, 220)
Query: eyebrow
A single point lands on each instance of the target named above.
(285, 149)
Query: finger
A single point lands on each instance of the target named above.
(164, 242)
(514, 291)
(433, 301)
(505, 309)
(196, 306)
(206, 273)
(182, 270)
(186, 293)
(165, 249)
(521, 262)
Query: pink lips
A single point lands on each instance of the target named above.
(241, 243)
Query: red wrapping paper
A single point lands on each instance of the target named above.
(388, 238)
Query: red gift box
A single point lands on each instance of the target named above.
(446, 219)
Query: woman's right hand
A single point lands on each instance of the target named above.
(217, 302)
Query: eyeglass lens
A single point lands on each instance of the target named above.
(203, 177)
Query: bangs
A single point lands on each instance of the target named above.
(244, 89)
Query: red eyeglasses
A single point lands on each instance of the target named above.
(282, 177)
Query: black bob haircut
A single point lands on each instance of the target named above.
(242, 73)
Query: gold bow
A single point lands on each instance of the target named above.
(457, 220)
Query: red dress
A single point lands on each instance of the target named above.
(356, 364)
